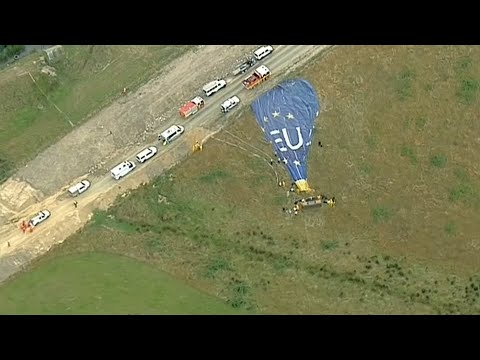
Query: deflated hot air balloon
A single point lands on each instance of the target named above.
(286, 115)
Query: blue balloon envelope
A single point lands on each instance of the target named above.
(286, 115)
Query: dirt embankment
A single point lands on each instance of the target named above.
(128, 121)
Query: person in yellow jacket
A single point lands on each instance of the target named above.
(331, 202)
(197, 146)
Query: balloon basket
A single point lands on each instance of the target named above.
(303, 187)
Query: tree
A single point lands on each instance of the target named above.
(9, 51)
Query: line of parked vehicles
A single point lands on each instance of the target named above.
(260, 74)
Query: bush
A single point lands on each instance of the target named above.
(9, 51)
(409, 153)
(381, 215)
(438, 160)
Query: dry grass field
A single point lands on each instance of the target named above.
(401, 151)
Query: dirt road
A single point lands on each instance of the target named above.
(142, 115)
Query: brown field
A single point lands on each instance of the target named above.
(401, 152)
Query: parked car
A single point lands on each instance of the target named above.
(146, 154)
(244, 66)
(122, 169)
(263, 52)
(213, 86)
(229, 104)
(171, 134)
(79, 188)
(39, 218)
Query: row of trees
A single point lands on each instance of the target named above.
(9, 51)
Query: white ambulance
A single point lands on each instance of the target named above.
(122, 169)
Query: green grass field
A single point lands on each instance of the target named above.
(88, 78)
(401, 156)
(104, 284)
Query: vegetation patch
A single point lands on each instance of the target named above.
(438, 160)
(408, 152)
(404, 84)
(381, 215)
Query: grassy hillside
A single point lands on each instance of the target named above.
(33, 115)
(97, 283)
(401, 156)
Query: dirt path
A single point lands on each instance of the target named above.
(132, 119)
(136, 121)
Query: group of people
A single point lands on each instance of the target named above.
(294, 211)
(299, 204)
(290, 211)
(283, 184)
(25, 227)
(278, 160)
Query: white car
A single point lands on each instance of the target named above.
(39, 218)
(171, 134)
(146, 154)
(122, 169)
(79, 188)
(262, 52)
(213, 86)
(229, 104)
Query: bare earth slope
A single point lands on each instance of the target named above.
(128, 119)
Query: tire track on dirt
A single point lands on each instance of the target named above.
(128, 118)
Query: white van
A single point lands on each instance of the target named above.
(262, 52)
(146, 154)
(122, 169)
(171, 134)
(213, 86)
(229, 104)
